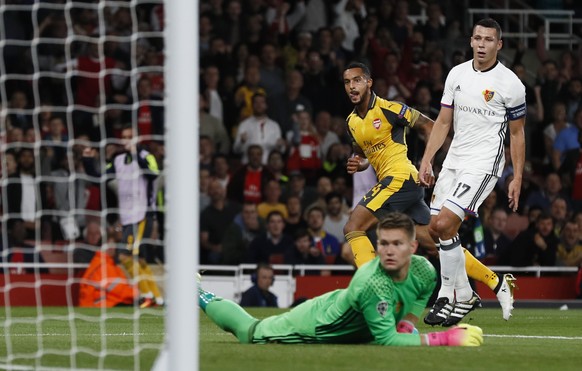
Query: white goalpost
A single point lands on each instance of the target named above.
(80, 201)
(183, 208)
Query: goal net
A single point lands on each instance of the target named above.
(84, 154)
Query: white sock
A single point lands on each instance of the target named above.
(451, 256)
(463, 290)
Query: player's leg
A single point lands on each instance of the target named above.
(227, 315)
(445, 224)
(361, 219)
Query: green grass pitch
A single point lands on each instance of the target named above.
(534, 339)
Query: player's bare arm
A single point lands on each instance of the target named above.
(438, 134)
(358, 162)
(424, 126)
(517, 148)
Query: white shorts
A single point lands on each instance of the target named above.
(461, 191)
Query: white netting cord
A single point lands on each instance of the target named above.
(62, 74)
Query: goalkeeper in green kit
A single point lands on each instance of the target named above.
(382, 304)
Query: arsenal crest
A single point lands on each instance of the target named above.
(377, 123)
(488, 95)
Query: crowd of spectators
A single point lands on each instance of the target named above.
(273, 145)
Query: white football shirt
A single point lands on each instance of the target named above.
(484, 102)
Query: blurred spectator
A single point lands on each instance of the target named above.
(211, 78)
(214, 218)
(434, 29)
(204, 34)
(89, 84)
(559, 213)
(332, 58)
(272, 76)
(276, 166)
(326, 136)
(536, 246)
(231, 25)
(26, 197)
(295, 220)
(573, 97)
(335, 219)
(150, 112)
(497, 244)
(255, 36)
(401, 26)
(283, 106)
(219, 55)
(570, 248)
(245, 227)
(551, 131)
(544, 197)
(323, 240)
(318, 84)
(244, 94)
(272, 200)
(304, 155)
(303, 251)
(487, 207)
(317, 13)
(294, 53)
(204, 198)
(71, 195)
(282, 18)
(248, 182)
(213, 128)
(221, 169)
(272, 244)
(349, 15)
(324, 187)
(334, 164)
(566, 140)
(18, 103)
(297, 187)
(396, 81)
(259, 130)
(547, 88)
(207, 151)
(259, 295)
(55, 146)
(92, 240)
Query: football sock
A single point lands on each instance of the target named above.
(463, 289)
(450, 256)
(147, 275)
(480, 272)
(361, 247)
(230, 317)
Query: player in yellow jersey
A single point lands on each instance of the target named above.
(377, 127)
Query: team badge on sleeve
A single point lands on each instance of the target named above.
(377, 123)
(488, 95)
(382, 307)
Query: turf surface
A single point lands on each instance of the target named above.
(534, 339)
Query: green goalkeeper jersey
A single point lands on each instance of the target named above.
(367, 311)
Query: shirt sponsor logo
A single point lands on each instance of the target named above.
(377, 123)
(478, 111)
(382, 308)
(488, 95)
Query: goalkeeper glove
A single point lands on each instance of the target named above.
(463, 335)
(406, 327)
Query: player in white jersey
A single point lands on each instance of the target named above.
(481, 97)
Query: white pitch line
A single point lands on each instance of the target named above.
(118, 334)
(535, 337)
